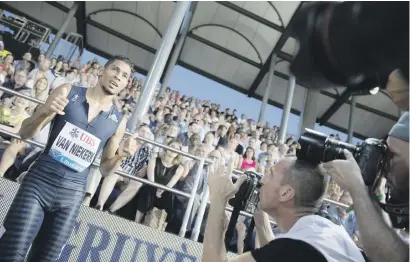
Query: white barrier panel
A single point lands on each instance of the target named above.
(99, 236)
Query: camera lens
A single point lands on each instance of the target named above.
(334, 150)
(317, 147)
(312, 146)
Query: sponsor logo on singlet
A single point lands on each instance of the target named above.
(74, 147)
(113, 117)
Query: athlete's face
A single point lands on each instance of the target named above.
(115, 77)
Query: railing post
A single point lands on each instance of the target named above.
(200, 214)
(188, 210)
(157, 67)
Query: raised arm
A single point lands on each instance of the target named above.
(54, 105)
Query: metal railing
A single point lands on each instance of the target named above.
(191, 196)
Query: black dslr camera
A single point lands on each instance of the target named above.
(370, 155)
(246, 199)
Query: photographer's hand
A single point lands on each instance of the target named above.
(346, 173)
(221, 189)
(369, 217)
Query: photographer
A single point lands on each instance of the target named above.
(379, 241)
(292, 193)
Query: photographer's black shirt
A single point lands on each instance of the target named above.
(287, 250)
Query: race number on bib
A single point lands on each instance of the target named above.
(74, 147)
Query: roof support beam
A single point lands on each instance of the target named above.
(251, 16)
(334, 107)
(363, 107)
(278, 47)
(122, 36)
(224, 50)
(58, 6)
(81, 23)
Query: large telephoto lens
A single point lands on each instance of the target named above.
(312, 146)
(317, 147)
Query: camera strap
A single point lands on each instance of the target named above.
(396, 209)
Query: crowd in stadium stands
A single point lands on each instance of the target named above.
(198, 127)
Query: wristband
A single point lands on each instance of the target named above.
(381, 197)
(349, 209)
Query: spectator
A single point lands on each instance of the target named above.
(240, 149)
(43, 71)
(263, 150)
(171, 132)
(220, 136)
(186, 184)
(22, 64)
(53, 63)
(3, 52)
(17, 83)
(230, 156)
(131, 165)
(41, 91)
(242, 120)
(247, 163)
(12, 115)
(17, 149)
(209, 142)
(165, 170)
(40, 59)
(58, 69)
(83, 80)
(67, 77)
(65, 67)
(7, 63)
(184, 138)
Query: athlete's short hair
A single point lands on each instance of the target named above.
(121, 58)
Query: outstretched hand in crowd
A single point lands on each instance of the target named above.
(221, 187)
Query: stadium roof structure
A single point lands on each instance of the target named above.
(228, 42)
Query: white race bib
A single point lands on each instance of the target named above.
(74, 147)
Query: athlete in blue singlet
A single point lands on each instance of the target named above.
(83, 122)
